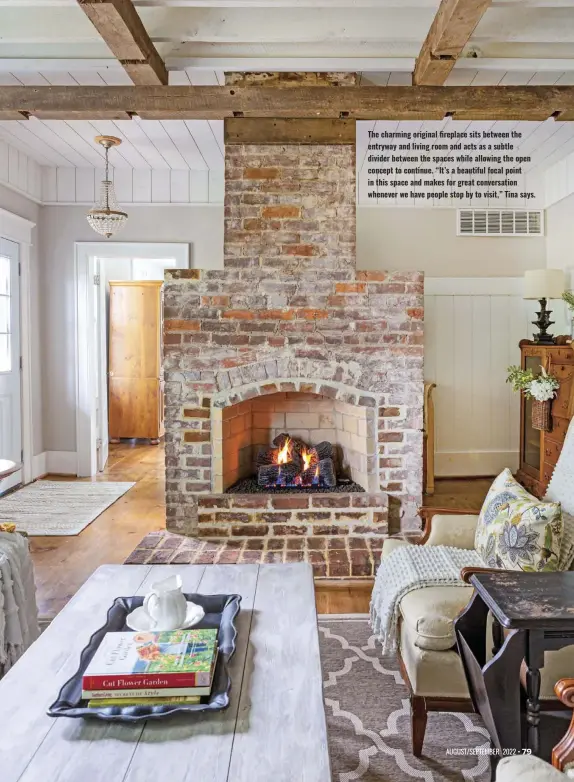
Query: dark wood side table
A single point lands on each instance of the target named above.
(537, 611)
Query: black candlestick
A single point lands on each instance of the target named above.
(543, 322)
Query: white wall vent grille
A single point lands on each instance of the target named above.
(500, 222)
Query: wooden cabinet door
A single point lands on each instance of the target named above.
(134, 408)
(135, 322)
(135, 372)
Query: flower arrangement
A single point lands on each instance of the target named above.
(541, 388)
(568, 297)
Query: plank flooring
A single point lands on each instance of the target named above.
(63, 564)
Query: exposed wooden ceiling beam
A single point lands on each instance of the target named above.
(450, 31)
(359, 103)
(118, 23)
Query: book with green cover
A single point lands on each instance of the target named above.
(174, 658)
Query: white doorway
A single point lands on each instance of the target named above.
(96, 264)
(10, 367)
(16, 436)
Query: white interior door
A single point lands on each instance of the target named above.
(10, 370)
(101, 374)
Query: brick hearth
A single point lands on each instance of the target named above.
(286, 322)
(331, 557)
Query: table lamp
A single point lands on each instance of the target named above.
(543, 284)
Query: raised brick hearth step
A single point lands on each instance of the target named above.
(277, 515)
(331, 557)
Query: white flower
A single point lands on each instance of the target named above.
(543, 388)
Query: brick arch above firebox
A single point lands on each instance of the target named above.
(328, 388)
(257, 378)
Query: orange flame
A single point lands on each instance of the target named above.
(284, 453)
(307, 456)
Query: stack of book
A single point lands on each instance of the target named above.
(151, 668)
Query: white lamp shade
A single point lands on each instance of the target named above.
(544, 284)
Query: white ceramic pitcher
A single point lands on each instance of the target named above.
(166, 604)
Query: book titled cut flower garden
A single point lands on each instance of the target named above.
(172, 662)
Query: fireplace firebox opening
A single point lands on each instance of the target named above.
(294, 442)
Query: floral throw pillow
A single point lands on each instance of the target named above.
(516, 531)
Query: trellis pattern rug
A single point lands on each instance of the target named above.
(59, 507)
(368, 717)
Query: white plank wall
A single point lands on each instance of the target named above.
(19, 172)
(472, 331)
(559, 180)
(133, 186)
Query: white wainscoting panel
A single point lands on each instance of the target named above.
(472, 331)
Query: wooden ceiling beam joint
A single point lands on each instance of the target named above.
(10, 114)
(120, 26)
(452, 27)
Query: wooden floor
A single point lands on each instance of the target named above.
(63, 564)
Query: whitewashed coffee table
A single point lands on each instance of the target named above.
(273, 731)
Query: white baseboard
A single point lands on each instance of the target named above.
(461, 464)
(39, 465)
(59, 462)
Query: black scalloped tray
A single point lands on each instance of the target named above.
(220, 613)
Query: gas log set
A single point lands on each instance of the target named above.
(293, 463)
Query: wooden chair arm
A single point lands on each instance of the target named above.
(564, 690)
(467, 572)
(563, 752)
(427, 512)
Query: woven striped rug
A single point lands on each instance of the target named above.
(59, 507)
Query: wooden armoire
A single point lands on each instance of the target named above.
(135, 360)
(539, 451)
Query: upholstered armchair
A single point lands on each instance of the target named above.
(429, 662)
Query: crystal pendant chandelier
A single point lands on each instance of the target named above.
(106, 218)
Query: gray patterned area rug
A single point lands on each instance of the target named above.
(60, 507)
(368, 717)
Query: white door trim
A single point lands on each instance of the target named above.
(85, 252)
(18, 229)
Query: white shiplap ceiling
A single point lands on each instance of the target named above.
(51, 42)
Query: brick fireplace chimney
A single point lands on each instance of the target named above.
(288, 323)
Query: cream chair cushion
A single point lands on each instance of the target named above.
(557, 665)
(430, 613)
(392, 544)
(527, 768)
(457, 531)
(432, 674)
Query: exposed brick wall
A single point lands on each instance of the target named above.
(290, 313)
(291, 209)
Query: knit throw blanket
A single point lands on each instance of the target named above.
(18, 611)
(408, 568)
